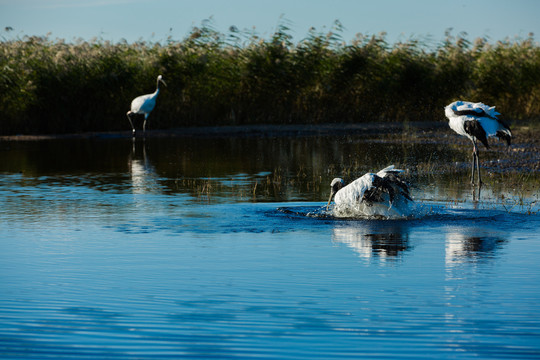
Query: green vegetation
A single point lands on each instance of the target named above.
(238, 78)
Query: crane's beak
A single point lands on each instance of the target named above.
(332, 193)
(164, 83)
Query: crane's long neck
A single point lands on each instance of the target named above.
(157, 88)
(154, 94)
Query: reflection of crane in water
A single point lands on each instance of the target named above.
(382, 194)
(476, 121)
(143, 175)
(466, 245)
(144, 105)
(384, 242)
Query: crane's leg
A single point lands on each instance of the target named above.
(473, 162)
(131, 122)
(144, 124)
(478, 168)
(476, 194)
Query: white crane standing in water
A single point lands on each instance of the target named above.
(476, 121)
(382, 194)
(144, 105)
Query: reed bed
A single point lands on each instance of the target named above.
(238, 78)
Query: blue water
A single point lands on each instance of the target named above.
(122, 265)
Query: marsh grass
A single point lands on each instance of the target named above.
(52, 86)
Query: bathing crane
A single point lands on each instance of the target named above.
(476, 121)
(381, 194)
(144, 105)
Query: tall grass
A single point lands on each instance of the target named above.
(51, 86)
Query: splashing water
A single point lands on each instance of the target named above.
(415, 211)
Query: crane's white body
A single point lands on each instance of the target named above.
(144, 104)
(476, 121)
(484, 114)
(350, 202)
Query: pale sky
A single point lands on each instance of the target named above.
(155, 20)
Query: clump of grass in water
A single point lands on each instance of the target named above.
(524, 186)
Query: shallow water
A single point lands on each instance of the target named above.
(215, 248)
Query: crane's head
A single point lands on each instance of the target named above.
(449, 111)
(160, 80)
(335, 186)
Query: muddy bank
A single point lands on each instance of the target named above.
(523, 155)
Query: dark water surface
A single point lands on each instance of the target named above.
(221, 248)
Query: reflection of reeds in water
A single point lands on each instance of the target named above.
(277, 186)
(285, 169)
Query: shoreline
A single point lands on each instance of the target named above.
(258, 130)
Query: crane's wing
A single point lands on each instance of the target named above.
(391, 182)
(461, 108)
(389, 170)
(143, 104)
